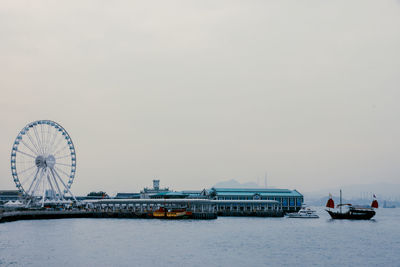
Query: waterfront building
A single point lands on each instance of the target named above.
(192, 194)
(290, 200)
(149, 192)
(169, 195)
(281, 199)
(9, 195)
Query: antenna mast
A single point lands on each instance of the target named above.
(265, 179)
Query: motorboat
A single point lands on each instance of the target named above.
(305, 213)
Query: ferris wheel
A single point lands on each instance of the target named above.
(43, 162)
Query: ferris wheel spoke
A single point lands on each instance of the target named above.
(47, 137)
(24, 181)
(43, 141)
(66, 187)
(33, 143)
(33, 151)
(56, 183)
(38, 139)
(34, 179)
(51, 136)
(63, 172)
(57, 146)
(65, 156)
(26, 154)
(23, 162)
(53, 139)
(36, 184)
(68, 165)
(60, 150)
(25, 170)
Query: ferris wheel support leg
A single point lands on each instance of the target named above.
(51, 185)
(34, 179)
(44, 191)
(29, 202)
(61, 195)
(66, 187)
(37, 184)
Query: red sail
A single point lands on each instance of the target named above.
(374, 204)
(330, 203)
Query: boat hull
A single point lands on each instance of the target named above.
(177, 214)
(314, 216)
(352, 215)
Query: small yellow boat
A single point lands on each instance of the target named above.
(171, 213)
(176, 213)
(160, 213)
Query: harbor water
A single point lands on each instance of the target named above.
(226, 241)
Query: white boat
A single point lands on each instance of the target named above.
(304, 212)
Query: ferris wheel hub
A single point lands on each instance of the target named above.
(43, 162)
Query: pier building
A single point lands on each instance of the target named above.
(201, 208)
(290, 200)
(9, 195)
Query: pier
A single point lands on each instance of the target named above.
(199, 208)
(145, 208)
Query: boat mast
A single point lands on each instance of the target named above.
(340, 200)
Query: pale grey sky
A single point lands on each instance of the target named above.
(195, 92)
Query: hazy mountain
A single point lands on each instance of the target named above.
(235, 184)
(356, 194)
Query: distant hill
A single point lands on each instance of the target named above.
(357, 194)
(235, 184)
(381, 190)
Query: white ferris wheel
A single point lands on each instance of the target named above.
(43, 162)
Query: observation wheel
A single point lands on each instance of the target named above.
(43, 162)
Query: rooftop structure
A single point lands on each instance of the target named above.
(148, 192)
(291, 200)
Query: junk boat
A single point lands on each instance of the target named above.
(172, 213)
(304, 212)
(350, 212)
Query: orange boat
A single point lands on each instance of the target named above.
(160, 213)
(171, 213)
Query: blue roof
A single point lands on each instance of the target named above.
(261, 191)
(127, 195)
(191, 191)
(170, 194)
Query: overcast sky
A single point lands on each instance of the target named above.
(196, 92)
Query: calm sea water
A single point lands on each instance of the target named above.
(227, 241)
